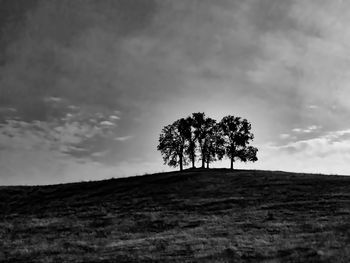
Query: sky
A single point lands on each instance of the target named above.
(86, 86)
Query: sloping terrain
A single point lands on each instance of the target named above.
(215, 215)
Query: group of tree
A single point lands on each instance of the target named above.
(198, 137)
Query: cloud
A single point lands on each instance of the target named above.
(123, 138)
(71, 51)
(85, 76)
(312, 107)
(284, 136)
(307, 64)
(166, 51)
(328, 153)
(131, 55)
(309, 129)
(71, 135)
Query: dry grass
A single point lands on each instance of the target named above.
(196, 216)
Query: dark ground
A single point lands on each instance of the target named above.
(213, 215)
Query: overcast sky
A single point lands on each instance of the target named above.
(86, 86)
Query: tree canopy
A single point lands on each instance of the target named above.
(199, 136)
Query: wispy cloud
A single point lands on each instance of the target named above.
(328, 153)
(123, 138)
(68, 135)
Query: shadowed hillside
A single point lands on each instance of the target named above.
(195, 216)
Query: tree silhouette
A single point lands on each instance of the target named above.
(191, 140)
(180, 142)
(237, 135)
(202, 129)
(172, 143)
(213, 143)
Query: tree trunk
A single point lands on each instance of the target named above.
(193, 155)
(202, 153)
(193, 162)
(181, 167)
(231, 163)
(208, 163)
(203, 159)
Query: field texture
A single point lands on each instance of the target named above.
(199, 215)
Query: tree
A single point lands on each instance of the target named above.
(202, 130)
(213, 144)
(237, 135)
(250, 154)
(179, 142)
(172, 143)
(191, 141)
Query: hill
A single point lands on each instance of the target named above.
(214, 215)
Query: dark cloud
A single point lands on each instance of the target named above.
(68, 49)
(127, 55)
(12, 20)
(272, 15)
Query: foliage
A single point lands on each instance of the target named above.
(213, 147)
(172, 142)
(191, 140)
(180, 142)
(237, 136)
(205, 132)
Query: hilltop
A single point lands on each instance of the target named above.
(197, 215)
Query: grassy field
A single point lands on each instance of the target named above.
(198, 215)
